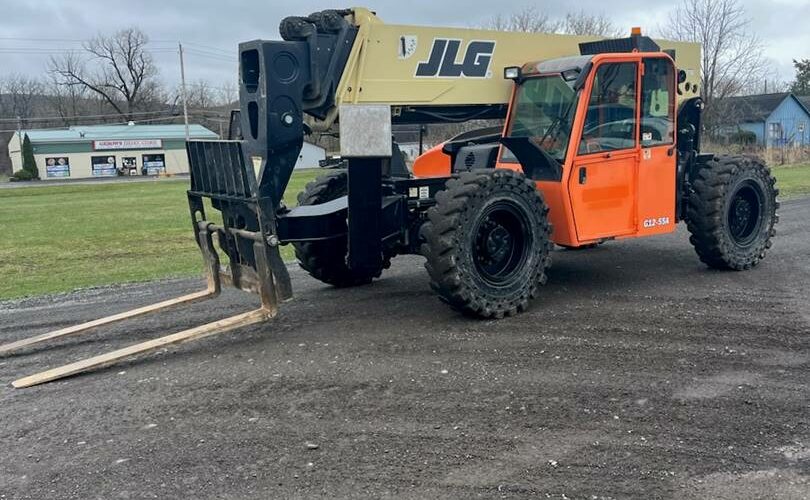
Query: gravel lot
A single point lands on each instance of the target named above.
(639, 373)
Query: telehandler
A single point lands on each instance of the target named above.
(601, 141)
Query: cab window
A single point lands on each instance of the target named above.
(610, 120)
(657, 103)
(543, 110)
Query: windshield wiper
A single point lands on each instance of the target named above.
(555, 125)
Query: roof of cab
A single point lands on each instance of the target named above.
(557, 65)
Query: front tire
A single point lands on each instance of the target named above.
(487, 243)
(732, 211)
(326, 260)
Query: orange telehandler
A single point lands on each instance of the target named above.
(601, 140)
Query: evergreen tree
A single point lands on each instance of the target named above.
(29, 165)
(801, 86)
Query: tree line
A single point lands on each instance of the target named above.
(113, 78)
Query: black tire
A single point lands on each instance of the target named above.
(732, 211)
(487, 243)
(326, 260)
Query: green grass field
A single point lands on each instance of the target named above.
(59, 238)
(793, 180)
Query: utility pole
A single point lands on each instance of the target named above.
(20, 137)
(183, 88)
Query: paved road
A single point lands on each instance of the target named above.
(638, 373)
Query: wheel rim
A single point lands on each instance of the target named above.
(745, 213)
(501, 244)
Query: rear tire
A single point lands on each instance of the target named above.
(732, 211)
(326, 260)
(487, 243)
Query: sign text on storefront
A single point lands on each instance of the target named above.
(127, 144)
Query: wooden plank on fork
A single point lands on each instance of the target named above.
(81, 328)
(211, 260)
(199, 332)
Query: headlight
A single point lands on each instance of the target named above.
(512, 73)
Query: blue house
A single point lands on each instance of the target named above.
(777, 120)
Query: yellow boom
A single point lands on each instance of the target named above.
(382, 66)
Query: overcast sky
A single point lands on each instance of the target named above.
(31, 30)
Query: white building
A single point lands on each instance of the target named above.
(309, 156)
(105, 150)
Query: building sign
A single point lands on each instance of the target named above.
(103, 166)
(128, 144)
(57, 167)
(154, 164)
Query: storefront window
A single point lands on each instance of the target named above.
(58, 166)
(154, 164)
(103, 166)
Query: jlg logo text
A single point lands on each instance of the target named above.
(443, 63)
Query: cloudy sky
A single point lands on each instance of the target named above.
(33, 30)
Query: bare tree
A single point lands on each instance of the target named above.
(228, 93)
(732, 54)
(20, 97)
(201, 95)
(66, 101)
(586, 23)
(527, 19)
(124, 74)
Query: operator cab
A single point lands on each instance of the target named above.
(547, 94)
(597, 133)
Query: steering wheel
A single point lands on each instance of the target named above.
(592, 145)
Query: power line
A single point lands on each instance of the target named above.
(204, 112)
(22, 50)
(234, 89)
(210, 47)
(41, 39)
(199, 113)
(109, 115)
(82, 40)
(211, 55)
(169, 44)
(56, 50)
(232, 55)
(141, 120)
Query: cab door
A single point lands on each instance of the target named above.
(603, 182)
(657, 167)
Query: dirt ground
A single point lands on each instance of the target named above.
(639, 373)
